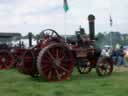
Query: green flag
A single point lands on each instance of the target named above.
(66, 8)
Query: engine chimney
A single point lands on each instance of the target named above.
(30, 39)
(91, 19)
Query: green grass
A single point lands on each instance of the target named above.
(13, 83)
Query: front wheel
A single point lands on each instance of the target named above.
(104, 66)
(84, 66)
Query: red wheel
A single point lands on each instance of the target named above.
(55, 62)
(84, 66)
(104, 66)
(6, 60)
(27, 65)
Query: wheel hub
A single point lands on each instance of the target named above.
(56, 62)
(88, 63)
(105, 66)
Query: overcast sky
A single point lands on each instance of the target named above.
(35, 15)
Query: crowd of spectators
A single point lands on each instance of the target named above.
(117, 55)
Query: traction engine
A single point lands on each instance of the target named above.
(51, 58)
(87, 56)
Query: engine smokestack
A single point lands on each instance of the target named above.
(30, 39)
(91, 19)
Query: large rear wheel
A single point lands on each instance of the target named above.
(55, 62)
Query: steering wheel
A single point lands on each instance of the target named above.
(50, 33)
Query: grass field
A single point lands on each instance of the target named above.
(13, 83)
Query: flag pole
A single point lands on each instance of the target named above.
(111, 30)
(65, 26)
(111, 22)
(66, 8)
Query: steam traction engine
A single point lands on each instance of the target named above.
(87, 56)
(51, 58)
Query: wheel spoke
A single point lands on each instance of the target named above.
(50, 74)
(65, 60)
(57, 74)
(52, 34)
(61, 58)
(85, 69)
(61, 67)
(46, 70)
(49, 53)
(103, 71)
(61, 54)
(46, 62)
(57, 53)
(45, 66)
(64, 65)
(46, 59)
(108, 69)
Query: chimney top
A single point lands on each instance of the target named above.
(91, 17)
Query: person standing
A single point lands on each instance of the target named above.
(120, 56)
